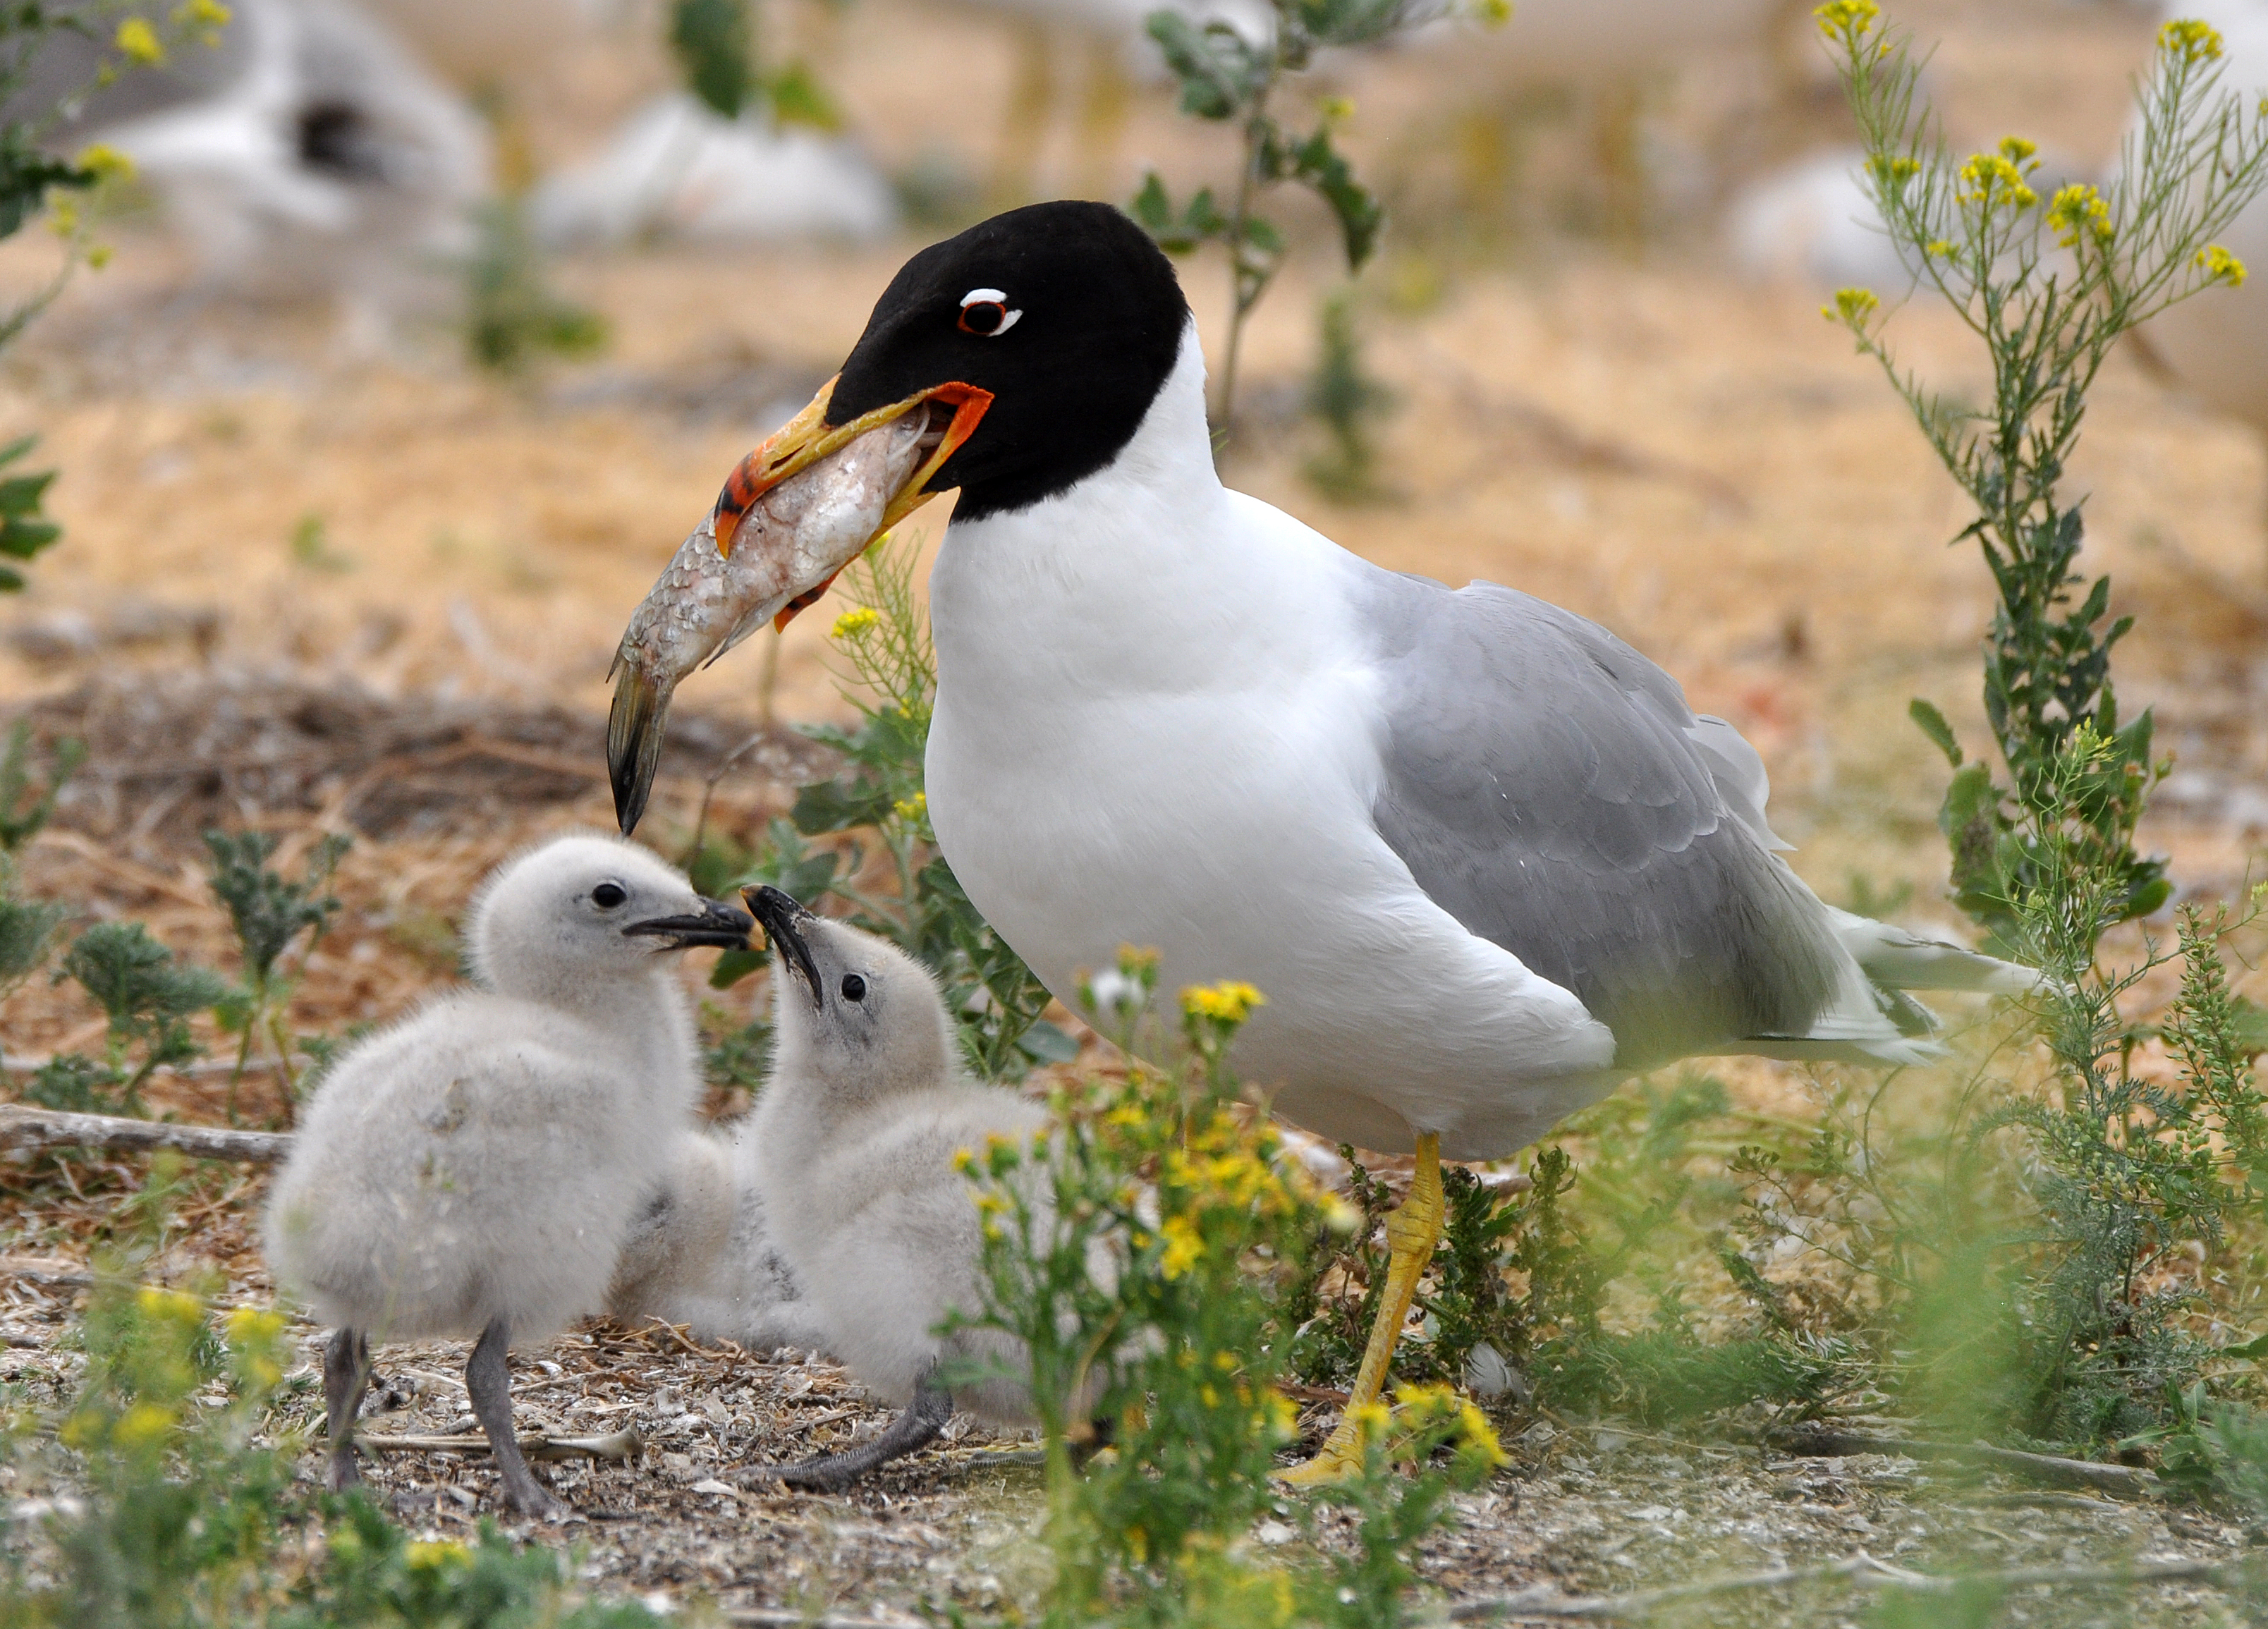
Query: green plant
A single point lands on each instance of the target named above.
(1346, 402)
(183, 1511)
(512, 318)
(1977, 234)
(995, 998)
(25, 529)
(148, 998)
(1229, 79)
(715, 43)
(27, 928)
(1139, 1251)
(181, 1507)
(30, 174)
(267, 912)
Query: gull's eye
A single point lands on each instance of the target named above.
(985, 312)
(854, 988)
(607, 896)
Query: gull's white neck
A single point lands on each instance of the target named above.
(1147, 576)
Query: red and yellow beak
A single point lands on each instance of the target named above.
(808, 438)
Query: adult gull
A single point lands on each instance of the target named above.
(1479, 855)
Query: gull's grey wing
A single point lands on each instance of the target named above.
(1549, 788)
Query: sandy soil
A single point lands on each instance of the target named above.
(1628, 430)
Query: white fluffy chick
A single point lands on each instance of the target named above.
(854, 1139)
(475, 1169)
(699, 1254)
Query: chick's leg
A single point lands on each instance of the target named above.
(488, 1378)
(1411, 1232)
(346, 1375)
(922, 1418)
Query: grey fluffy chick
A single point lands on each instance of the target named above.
(699, 1254)
(475, 1169)
(854, 1139)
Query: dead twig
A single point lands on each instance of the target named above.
(22, 1127)
(1826, 1443)
(625, 1444)
(38, 1270)
(1543, 1601)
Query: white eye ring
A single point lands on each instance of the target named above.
(990, 296)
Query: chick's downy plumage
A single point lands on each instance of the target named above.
(476, 1168)
(854, 1138)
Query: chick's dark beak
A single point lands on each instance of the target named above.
(783, 918)
(716, 924)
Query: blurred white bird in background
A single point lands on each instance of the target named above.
(678, 169)
(305, 151)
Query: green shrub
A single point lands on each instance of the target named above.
(1139, 1252)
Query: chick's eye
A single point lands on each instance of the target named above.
(854, 988)
(607, 896)
(986, 313)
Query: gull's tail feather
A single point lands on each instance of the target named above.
(1899, 960)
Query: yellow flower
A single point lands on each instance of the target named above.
(1852, 18)
(246, 1326)
(98, 256)
(1993, 181)
(1479, 1435)
(2077, 209)
(2015, 150)
(1942, 247)
(1492, 13)
(912, 808)
(142, 1424)
(105, 161)
(2219, 266)
(854, 623)
(1852, 306)
(1183, 1246)
(1229, 1002)
(1335, 110)
(178, 1304)
(210, 13)
(429, 1555)
(139, 41)
(964, 1161)
(62, 217)
(2192, 41)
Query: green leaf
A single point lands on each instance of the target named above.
(1048, 1044)
(2252, 1351)
(1932, 724)
(715, 43)
(735, 965)
(1215, 67)
(1325, 170)
(798, 98)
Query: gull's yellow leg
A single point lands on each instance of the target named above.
(1411, 1232)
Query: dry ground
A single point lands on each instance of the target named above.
(1632, 432)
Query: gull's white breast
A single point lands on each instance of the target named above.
(1157, 725)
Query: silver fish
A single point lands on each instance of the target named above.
(789, 544)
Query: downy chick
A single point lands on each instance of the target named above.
(475, 1169)
(699, 1254)
(854, 1139)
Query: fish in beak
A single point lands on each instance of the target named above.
(783, 918)
(725, 927)
(794, 512)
